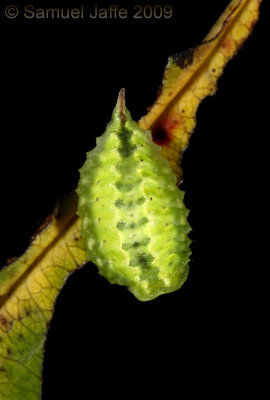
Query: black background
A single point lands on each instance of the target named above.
(59, 84)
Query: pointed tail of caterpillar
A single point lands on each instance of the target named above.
(134, 221)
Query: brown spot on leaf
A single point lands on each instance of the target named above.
(160, 136)
(11, 260)
(184, 59)
(5, 324)
(3, 320)
(228, 45)
(162, 132)
(9, 351)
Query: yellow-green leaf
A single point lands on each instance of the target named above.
(28, 289)
(192, 75)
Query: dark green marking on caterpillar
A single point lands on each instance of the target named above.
(134, 221)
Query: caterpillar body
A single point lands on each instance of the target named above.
(134, 221)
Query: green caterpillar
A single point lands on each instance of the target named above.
(134, 222)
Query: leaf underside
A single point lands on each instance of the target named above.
(29, 286)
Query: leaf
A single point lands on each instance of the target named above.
(28, 289)
(29, 286)
(192, 75)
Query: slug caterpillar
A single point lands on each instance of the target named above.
(134, 221)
